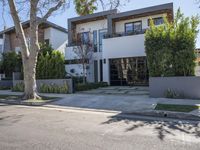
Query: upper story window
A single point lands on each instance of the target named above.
(83, 37)
(102, 33)
(157, 21)
(133, 27)
(95, 40)
(46, 41)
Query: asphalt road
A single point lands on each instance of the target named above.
(28, 128)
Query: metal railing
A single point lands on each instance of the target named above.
(120, 34)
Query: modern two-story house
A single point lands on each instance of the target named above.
(49, 33)
(118, 44)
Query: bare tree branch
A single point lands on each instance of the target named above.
(18, 27)
(52, 9)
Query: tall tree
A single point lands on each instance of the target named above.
(85, 7)
(44, 8)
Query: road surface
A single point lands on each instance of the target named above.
(39, 128)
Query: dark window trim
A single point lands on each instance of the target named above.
(154, 20)
(95, 44)
(100, 44)
(75, 61)
(132, 23)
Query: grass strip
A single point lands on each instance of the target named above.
(177, 108)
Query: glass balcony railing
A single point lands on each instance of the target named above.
(120, 34)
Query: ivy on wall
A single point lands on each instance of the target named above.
(170, 47)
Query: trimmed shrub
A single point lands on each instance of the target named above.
(19, 87)
(44, 88)
(89, 86)
(170, 47)
(53, 88)
(51, 64)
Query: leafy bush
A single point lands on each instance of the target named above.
(53, 88)
(170, 48)
(89, 86)
(11, 62)
(44, 88)
(19, 87)
(173, 94)
(50, 65)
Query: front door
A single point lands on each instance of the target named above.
(128, 71)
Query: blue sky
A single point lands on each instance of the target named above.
(188, 7)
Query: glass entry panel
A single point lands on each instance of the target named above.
(128, 71)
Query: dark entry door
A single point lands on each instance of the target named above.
(128, 71)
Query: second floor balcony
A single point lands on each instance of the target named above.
(120, 34)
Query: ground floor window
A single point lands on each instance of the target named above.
(128, 71)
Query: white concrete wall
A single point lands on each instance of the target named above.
(91, 26)
(120, 25)
(126, 46)
(57, 39)
(78, 69)
(119, 47)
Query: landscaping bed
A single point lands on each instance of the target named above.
(17, 100)
(90, 86)
(177, 108)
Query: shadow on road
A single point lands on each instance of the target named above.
(162, 128)
(6, 120)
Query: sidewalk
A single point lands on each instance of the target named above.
(138, 104)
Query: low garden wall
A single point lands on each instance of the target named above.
(50, 84)
(185, 87)
(6, 84)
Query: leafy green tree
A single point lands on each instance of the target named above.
(85, 7)
(170, 47)
(11, 62)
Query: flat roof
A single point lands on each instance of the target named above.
(113, 14)
(92, 17)
(168, 6)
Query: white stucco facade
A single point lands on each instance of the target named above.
(119, 26)
(118, 44)
(57, 39)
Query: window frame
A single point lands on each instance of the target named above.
(133, 30)
(100, 44)
(154, 21)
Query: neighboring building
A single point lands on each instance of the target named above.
(118, 43)
(49, 32)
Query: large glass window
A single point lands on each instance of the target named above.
(95, 40)
(102, 33)
(133, 27)
(128, 71)
(83, 38)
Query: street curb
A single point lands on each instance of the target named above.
(153, 114)
(28, 103)
(166, 114)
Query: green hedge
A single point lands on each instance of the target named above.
(51, 64)
(89, 86)
(170, 47)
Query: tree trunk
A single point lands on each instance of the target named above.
(30, 87)
(84, 74)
